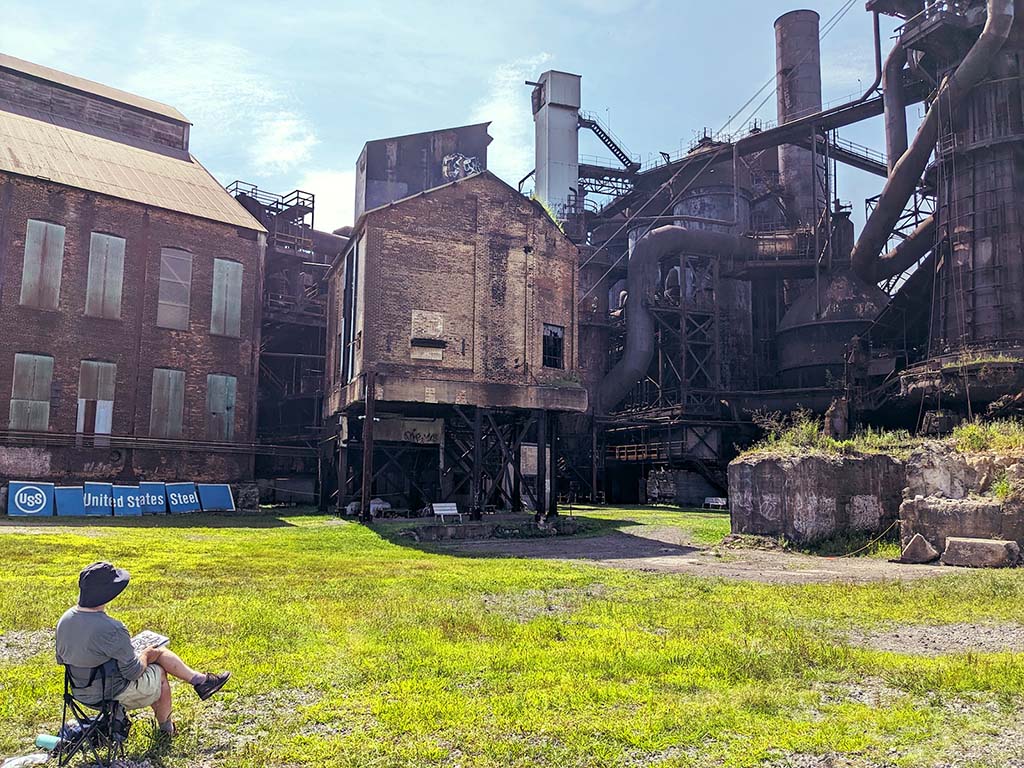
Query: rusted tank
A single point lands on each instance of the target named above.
(815, 333)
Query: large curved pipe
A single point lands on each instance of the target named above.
(907, 171)
(895, 101)
(908, 253)
(641, 278)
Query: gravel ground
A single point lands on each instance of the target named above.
(664, 549)
(947, 638)
(18, 645)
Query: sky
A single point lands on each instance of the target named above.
(284, 95)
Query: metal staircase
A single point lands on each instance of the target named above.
(593, 123)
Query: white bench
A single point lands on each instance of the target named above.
(716, 502)
(441, 510)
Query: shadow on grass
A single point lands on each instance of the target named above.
(276, 519)
(596, 539)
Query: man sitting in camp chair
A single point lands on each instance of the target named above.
(88, 638)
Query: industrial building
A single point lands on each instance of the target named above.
(452, 350)
(130, 285)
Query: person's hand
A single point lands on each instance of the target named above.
(148, 655)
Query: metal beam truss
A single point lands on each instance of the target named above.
(480, 457)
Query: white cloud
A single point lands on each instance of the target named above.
(507, 105)
(283, 142)
(334, 193)
(232, 104)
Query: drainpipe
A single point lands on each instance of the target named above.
(908, 170)
(641, 278)
(908, 253)
(895, 101)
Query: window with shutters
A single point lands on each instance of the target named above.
(175, 288)
(96, 383)
(44, 260)
(106, 275)
(167, 406)
(220, 407)
(30, 395)
(226, 312)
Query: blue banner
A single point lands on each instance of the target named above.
(99, 499)
(154, 498)
(182, 497)
(70, 501)
(30, 499)
(127, 500)
(216, 498)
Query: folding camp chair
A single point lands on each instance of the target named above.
(101, 735)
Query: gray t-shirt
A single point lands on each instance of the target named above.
(89, 639)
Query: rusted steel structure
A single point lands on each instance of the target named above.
(293, 337)
(788, 308)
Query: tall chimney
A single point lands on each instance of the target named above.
(798, 68)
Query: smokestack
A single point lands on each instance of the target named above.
(798, 69)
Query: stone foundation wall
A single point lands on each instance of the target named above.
(810, 498)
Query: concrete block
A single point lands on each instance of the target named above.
(919, 551)
(980, 553)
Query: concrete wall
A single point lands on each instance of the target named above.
(977, 518)
(134, 342)
(807, 499)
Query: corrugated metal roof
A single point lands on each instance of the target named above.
(88, 86)
(44, 150)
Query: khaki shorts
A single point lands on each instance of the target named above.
(142, 692)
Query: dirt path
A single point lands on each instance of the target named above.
(664, 549)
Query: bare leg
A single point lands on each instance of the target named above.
(162, 706)
(174, 666)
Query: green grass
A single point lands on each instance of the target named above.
(801, 433)
(980, 359)
(351, 650)
(1001, 435)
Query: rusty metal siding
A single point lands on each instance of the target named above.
(31, 392)
(226, 301)
(167, 403)
(41, 270)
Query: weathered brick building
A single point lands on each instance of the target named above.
(452, 344)
(130, 287)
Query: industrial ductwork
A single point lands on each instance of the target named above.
(895, 102)
(641, 277)
(906, 254)
(907, 172)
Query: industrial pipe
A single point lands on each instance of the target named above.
(641, 277)
(908, 253)
(895, 102)
(907, 171)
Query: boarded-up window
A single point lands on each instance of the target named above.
(44, 260)
(106, 273)
(175, 288)
(226, 312)
(220, 407)
(96, 382)
(30, 395)
(168, 403)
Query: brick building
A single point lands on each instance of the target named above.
(452, 347)
(130, 285)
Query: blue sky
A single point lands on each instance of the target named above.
(285, 94)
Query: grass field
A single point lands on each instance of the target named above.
(349, 649)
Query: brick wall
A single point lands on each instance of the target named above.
(477, 266)
(134, 342)
(25, 92)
